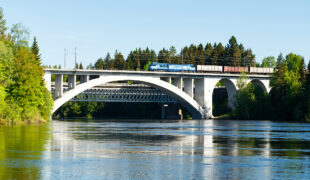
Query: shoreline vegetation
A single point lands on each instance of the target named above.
(24, 99)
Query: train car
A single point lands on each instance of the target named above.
(172, 67)
(209, 68)
(235, 69)
(261, 70)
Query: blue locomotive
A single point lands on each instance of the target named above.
(172, 67)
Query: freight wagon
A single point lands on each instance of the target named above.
(235, 69)
(260, 70)
(209, 68)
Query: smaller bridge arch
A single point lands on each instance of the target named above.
(231, 88)
(261, 83)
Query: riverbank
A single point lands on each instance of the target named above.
(35, 121)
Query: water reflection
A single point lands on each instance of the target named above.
(21, 150)
(200, 149)
(156, 150)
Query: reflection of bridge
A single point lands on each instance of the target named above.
(192, 90)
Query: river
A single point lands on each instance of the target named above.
(123, 149)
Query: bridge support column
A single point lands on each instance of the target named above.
(177, 82)
(48, 80)
(189, 86)
(231, 87)
(84, 78)
(167, 79)
(71, 81)
(58, 85)
(203, 95)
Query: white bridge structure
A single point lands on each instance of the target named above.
(192, 90)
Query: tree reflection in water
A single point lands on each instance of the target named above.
(21, 151)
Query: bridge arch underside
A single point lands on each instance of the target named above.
(257, 82)
(181, 97)
(231, 91)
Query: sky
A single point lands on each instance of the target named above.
(97, 27)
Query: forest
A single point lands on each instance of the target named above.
(23, 95)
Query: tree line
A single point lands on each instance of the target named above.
(233, 54)
(289, 98)
(23, 95)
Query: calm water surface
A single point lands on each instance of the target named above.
(210, 149)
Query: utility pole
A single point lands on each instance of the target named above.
(65, 58)
(75, 59)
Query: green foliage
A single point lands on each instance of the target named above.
(146, 66)
(20, 35)
(251, 102)
(269, 62)
(23, 96)
(287, 92)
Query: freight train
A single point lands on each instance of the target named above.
(207, 68)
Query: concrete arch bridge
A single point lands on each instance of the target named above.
(192, 90)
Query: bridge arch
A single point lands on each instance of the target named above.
(262, 84)
(184, 99)
(231, 88)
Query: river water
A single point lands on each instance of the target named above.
(210, 149)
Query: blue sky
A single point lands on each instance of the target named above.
(96, 27)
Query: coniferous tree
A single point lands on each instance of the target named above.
(81, 66)
(208, 53)
(200, 54)
(119, 61)
(99, 64)
(35, 50)
(217, 54)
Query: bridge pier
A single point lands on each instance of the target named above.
(59, 85)
(71, 81)
(84, 78)
(189, 86)
(177, 82)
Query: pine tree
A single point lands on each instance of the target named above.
(81, 66)
(35, 50)
(99, 64)
(208, 53)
